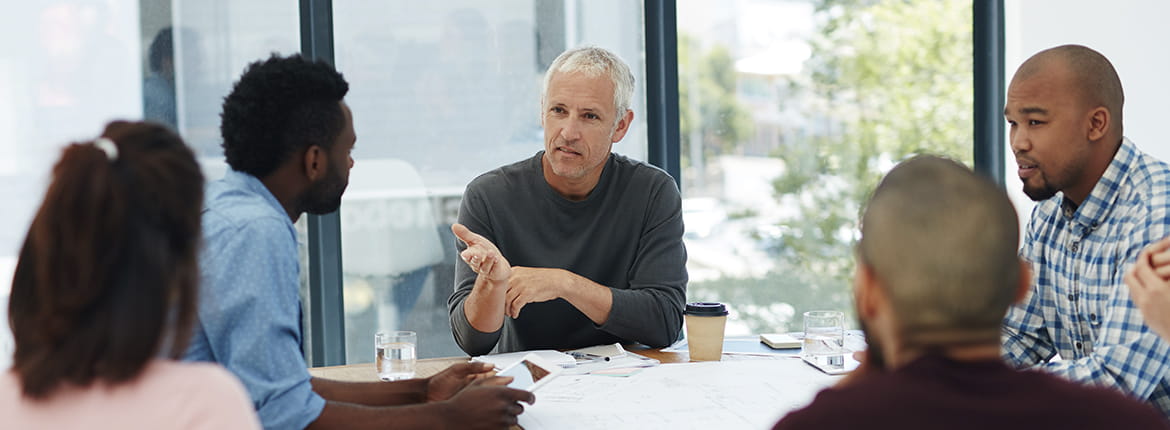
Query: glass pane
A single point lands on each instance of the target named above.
(66, 69)
(84, 63)
(1032, 26)
(213, 41)
(791, 111)
(442, 92)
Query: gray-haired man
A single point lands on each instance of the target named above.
(574, 246)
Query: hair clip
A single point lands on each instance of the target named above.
(107, 146)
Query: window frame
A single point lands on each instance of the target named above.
(325, 341)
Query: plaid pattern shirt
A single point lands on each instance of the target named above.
(1079, 306)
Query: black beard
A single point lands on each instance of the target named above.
(324, 196)
(1038, 194)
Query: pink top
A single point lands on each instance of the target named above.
(168, 395)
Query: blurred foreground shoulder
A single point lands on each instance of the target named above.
(216, 398)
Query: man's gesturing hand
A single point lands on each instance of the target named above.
(482, 255)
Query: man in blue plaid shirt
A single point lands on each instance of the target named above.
(1100, 201)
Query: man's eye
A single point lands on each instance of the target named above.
(1035, 122)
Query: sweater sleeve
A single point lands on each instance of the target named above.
(650, 311)
(473, 213)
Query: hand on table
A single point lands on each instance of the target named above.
(447, 383)
(487, 404)
(1149, 286)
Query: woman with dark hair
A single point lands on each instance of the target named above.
(106, 287)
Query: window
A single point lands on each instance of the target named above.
(66, 68)
(791, 111)
(442, 92)
(70, 66)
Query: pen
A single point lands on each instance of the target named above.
(587, 355)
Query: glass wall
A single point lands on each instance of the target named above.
(68, 67)
(791, 111)
(1137, 54)
(442, 92)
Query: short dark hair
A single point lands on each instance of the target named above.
(279, 106)
(1095, 79)
(943, 240)
(108, 273)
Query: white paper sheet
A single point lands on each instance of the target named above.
(740, 394)
(502, 361)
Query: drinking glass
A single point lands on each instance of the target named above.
(394, 354)
(824, 333)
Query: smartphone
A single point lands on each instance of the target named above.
(530, 373)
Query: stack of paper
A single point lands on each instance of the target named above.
(604, 352)
(502, 361)
(609, 360)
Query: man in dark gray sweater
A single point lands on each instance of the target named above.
(574, 246)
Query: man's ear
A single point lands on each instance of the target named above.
(1099, 123)
(316, 162)
(1025, 281)
(622, 127)
(866, 291)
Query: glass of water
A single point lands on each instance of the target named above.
(824, 333)
(394, 354)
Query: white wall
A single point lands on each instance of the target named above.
(1131, 33)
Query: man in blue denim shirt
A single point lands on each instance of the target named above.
(287, 137)
(1100, 201)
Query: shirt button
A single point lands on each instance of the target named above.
(1072, 297)
(1078, 345)
(1093, 317)
(1076, 246)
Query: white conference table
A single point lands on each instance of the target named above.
(738, 392)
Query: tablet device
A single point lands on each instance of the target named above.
(530, 373)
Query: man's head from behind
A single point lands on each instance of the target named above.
(289, 110)
(937, 262)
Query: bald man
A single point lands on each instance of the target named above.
(1100, 200)
(936, 271)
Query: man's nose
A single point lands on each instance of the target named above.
(571, 131)
(1019, 141)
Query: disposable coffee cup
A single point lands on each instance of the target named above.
(705, 322)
